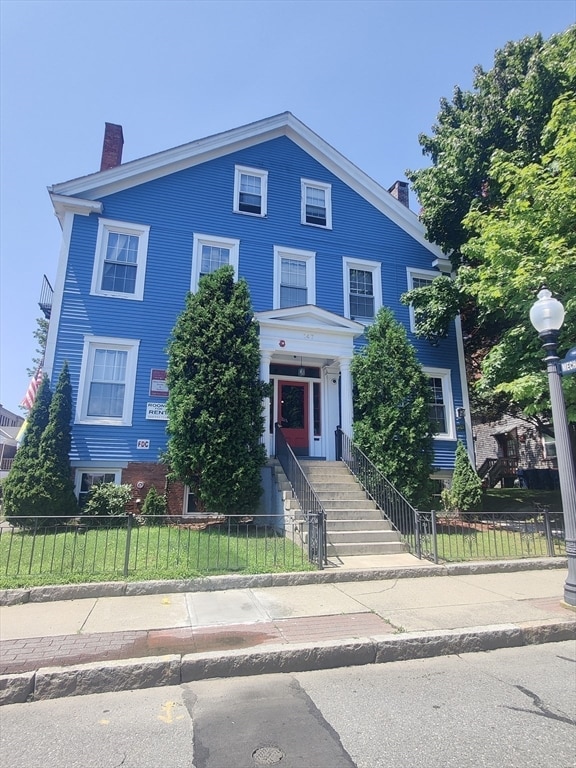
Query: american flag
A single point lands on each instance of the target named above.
(30, 395)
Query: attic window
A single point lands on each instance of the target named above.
(250, 191)
(316, 204)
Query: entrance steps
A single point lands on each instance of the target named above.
(354, 523)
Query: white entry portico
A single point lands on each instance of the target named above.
(305, 353)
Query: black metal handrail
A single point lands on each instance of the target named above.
(312, 510)
(389, 500)
(46, 296)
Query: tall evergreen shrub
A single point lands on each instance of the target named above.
(55, 444)
(466, 490)
(215, 420)
(392, 398)
(24, 495)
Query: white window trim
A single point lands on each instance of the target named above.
(445, 375)
(411, 273)
(219, 242)
(375, 267)
(309, 257)
(79, 471)
(546, 441)
(141, 231)
(304, 184)
(91, 344)
(263, 175)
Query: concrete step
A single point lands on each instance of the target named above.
(353, 514)
(361, 537)
(356, 504)
(365, 548)
(329, 489)
(352, 499)
(358, 525)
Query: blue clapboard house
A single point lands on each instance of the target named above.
(322, 247)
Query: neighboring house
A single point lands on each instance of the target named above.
(513, 451)
(10, 424)
(321, 245)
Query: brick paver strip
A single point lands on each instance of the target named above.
(65, 650)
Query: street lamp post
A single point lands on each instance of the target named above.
(547, 316)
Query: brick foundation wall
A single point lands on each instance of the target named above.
(153, 474)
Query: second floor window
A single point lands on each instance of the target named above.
(210, 253)
(120, 262)
(362, 289)
(213, 257)
(293, 291)
(294, 277)
(361, 294)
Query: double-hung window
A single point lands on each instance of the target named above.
(418, 279)
(210, 253)
(107, 378)
(120, 263)
(87, 479)
(441, 407)
(362, 289)
(250, 191)
(316, 203)
(294, 277)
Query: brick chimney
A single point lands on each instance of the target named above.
(112, 147)
(399, 190)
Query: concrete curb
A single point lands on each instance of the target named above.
(213, 583)
(153, 671)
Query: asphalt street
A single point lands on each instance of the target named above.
(510, 707)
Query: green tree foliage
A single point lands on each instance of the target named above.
(55, 443)
(215, 401)
(106, 504)
(23, 492)
(154, 506)
(392, 398)
(499, 197)
(465, 495)
(41, 336)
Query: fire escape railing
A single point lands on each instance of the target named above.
(46, 295)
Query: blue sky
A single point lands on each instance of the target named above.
(366, 76)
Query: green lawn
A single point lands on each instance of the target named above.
(504, 500)
(156, 552)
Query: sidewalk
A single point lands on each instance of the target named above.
(359, 615)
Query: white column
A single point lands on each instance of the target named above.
(265, 358)
(346, 413)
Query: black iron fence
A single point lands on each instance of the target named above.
(75, 549)
(440, 537)
(393, 505)
(489, 536)
(312, 511)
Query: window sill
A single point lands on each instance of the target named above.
(117, 295)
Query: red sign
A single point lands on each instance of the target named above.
(158, 386)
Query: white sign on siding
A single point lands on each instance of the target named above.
(156, 411)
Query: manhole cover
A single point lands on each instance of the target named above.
(267, 755)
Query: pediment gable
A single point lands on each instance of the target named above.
(135, 172)
(309, 316)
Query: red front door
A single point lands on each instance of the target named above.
(293, 414)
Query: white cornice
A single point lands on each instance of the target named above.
(169, 161)
(64, 204)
